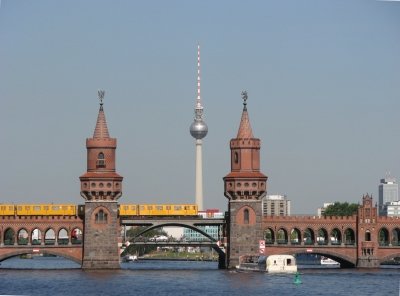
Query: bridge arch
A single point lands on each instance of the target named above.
(22, 236)
(49, 236)
(76, 235)
(345, 261)
(335, 236)
(214, 243)
(36, 236)
(9, 236)
(308, 236)
(63, 236)
(269, 236)
(349, 236)
(282, 235)
(322, 238)
(177, 224)
(295, 236)
(18, 252)
(395, 239)
(389, 257)
(383, 236)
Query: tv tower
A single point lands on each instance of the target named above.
(198, 130)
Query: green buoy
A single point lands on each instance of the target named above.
(297, 279)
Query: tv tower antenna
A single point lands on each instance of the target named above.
(198, 130)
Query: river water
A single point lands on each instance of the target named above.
(63, 277)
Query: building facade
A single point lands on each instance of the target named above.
(388, 192)
(392, 209)
(213, 231)
(276, 205)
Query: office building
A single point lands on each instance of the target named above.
(213, 231)
(275, 205)
(388, 192)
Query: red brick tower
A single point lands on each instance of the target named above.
(367, 235)
(245, 186)
(101, 187)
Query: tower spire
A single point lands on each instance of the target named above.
(101, 129)
(245, 131)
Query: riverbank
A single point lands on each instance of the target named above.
(176, 259)
(181, 256)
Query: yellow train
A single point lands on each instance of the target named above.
(38, 210)
(7, 210)
(74, 210)
(158, 210)
(46, 210)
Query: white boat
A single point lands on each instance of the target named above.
(281, 264)
(251, 263)
(130, 258)
(328, 261)
(271, 264)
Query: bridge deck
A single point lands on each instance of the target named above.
(176, 243)
(197, 221)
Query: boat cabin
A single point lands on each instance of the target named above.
(281, 264)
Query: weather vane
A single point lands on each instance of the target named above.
(100, 94)
(244, 97)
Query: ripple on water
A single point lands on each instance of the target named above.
(193, 278)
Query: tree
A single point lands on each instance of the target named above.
(341, 209)
(140, 250)
(134, 231)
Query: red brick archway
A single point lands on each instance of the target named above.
(73, 253)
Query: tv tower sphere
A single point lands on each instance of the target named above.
(198, 129)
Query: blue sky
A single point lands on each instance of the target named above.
(323, 79)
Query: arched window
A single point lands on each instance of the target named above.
(101, 217)
(101, 162)
(367, 236)
(246, 216)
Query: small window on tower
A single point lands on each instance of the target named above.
(246, 216)
(236, 157)
(101, 162)
(101, 217)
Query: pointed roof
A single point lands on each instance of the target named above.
(245, 131)
(101, 129)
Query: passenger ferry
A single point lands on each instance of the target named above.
(271, 264)
(281, 264)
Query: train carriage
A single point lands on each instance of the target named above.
(61, 210)
(7, 210)
(46, 210)
(128, 210)
(167, 210)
